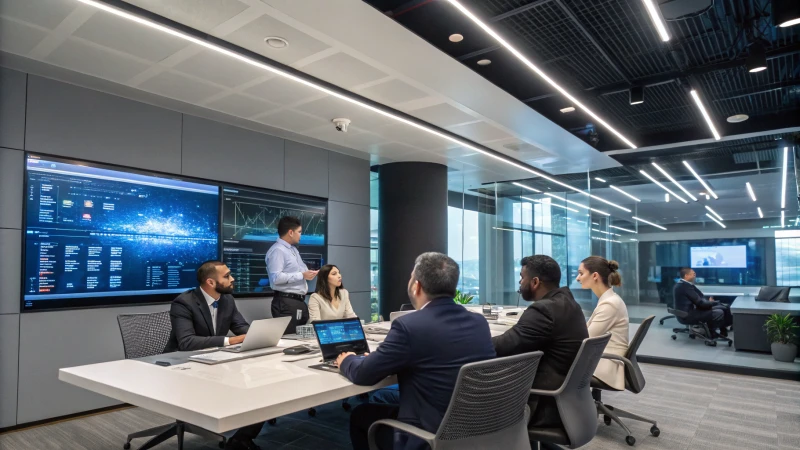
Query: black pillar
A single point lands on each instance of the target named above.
(412, 219)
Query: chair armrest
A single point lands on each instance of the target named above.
(410, 429)
(544, 393)
(626, 361)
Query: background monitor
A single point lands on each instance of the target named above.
(719, 257)
(99, 236)
(250, 227)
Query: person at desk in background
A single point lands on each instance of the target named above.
(331, 300)
(691, 300)
(426, 350)
(609, 316)
(554, 324)
(201, 318)
(288, 274)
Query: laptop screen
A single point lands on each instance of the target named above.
(337, 336)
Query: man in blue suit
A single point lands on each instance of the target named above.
(425, 349)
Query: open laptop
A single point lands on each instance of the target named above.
(262, 334)
(338, 336)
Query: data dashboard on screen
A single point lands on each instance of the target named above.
(99, 236)
(250, 227)
(719, 257)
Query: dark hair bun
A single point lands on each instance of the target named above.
(613, 265)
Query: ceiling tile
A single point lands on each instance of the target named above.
(94, 60)
(200, 14)
(251, 37)
(19, 38)
(443, 115)
(45, 13)
(241, 105)
(282, 91)
(401, 132)
(392, 92)
(394, 150)
(180, 87)
(220, 69)
(330, 108)
(129, 37)
(292, 121)
(343, 70)
(479, 131)
(352, 139)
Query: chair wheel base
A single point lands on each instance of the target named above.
(127, 446)
(661, 322)
(272, 421)
(606, 420)
(312, 412)
(730, 343)
(655, 431)
(674, 337)
(630, 440)
(711, 343)
(346, 407)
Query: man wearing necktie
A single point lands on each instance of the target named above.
(201, 318)
(288, 274)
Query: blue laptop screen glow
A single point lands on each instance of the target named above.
(339, 332)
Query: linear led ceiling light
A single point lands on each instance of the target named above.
(597, 238)
(666, 198)
(578, 204)
(526, 187)
(600, 179)
(309, 83)
(699, 103)
(760, 214)
(658, 21)
(662, 186)
(750, 191)
(606, 232)
(538, 71)
(624, 193)
(714, 213)
(675, 182)
(649, 223)
(785, 13)
(783, 177)
(708, 188)
(783, 218)
(620, 228)
(715, 220)
(548, 203)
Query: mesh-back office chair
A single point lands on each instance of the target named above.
(488, 408)
(779, 294)
(634, 382)
(703, 333)
(147, 335)
(670, 307)
(574, 399)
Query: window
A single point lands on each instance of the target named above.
(463, 246)
(787, 261)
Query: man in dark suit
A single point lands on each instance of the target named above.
(553, 323)
(201, 318)
(689, 299)
(426, 350)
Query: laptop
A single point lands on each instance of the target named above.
(262, 334)
(336, 337)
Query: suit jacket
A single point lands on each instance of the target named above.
(688, 298)
(611, 316)
(191, 322)
(426, 350)
(555, 325)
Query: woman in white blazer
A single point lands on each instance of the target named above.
(330, 300)
(609, 316)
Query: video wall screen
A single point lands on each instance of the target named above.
(99, 236)
(719, 257)
(250, 227)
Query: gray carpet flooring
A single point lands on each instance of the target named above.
(694, 409)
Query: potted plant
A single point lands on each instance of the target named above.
(782, 333)
(463, 299)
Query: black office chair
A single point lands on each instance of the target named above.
(576, 406)
(778, 294)
(634, 382)
(406, 307)
(147, 335)
(670, 316)
(690, 328)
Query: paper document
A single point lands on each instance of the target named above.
(248, 373)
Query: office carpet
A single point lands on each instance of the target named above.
(694, 409)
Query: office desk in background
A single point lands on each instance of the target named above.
(748, 321)
(218, 397)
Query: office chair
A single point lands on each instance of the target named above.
(670, 316)
(576, 406)
(407, 307)
(147, 335)
(779, 294)
(488, 408)
(688, 328)
(634, 382)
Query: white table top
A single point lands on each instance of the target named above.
(218, 397)
(747, 304)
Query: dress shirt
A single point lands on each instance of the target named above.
(210, 300)
(285, 268)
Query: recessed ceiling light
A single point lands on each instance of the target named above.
(666, 198)
(568, 109)
(757, 59)
(455, 37)
(736, 118)
(484, 62)
(785, 13)
(276, 42)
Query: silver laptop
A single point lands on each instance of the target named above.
(262, 334)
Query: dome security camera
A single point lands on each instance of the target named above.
(341, 124)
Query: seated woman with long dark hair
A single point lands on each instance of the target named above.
(330, 300)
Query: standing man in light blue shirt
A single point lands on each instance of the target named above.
(288, 274)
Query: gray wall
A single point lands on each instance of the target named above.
(50, 117)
